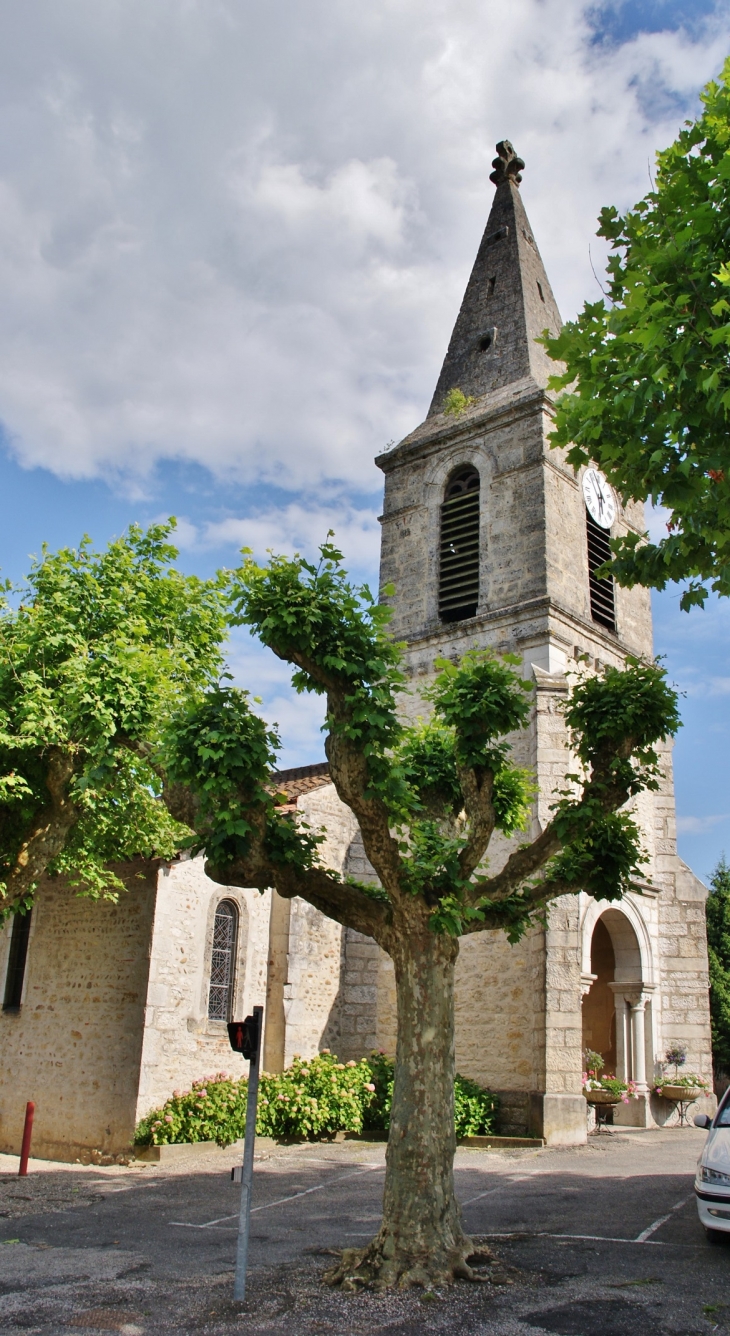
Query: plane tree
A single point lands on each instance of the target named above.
(97, 649)
(428, 798)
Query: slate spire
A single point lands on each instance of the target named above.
(508, 301)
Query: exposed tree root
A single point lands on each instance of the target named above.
(384, 1266)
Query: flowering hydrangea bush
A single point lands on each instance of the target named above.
(311, 1099)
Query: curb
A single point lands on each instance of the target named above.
(174, 1152)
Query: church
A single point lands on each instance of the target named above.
(490, 540)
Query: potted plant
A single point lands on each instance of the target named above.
(599, 1089)
(680, 1089)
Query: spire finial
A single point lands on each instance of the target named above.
(507, 166)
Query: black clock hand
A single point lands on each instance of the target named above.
(599, 491)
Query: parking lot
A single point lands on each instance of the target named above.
(594, 1241)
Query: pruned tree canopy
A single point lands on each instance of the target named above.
(428, 796)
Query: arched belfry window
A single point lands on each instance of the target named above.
(603, 608)
(223, 961)
(459, 552)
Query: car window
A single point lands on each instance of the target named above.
(722, 1117)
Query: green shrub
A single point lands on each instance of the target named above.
(718, 949)
(475, 1108)
(310, 1099)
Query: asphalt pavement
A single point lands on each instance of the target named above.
(602, 1240)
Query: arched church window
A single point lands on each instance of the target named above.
(603, 608)
(459, 552)
(17, 957)
(223, 961)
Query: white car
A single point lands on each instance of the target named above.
(712, 1183)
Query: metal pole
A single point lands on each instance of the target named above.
(244, 1219)
(27, 1133)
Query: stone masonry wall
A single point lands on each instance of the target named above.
(180, 1042)
(317, 991)
(75, 1045)
(684, 980)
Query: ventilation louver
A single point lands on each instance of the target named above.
(603, 607)
(459, 554)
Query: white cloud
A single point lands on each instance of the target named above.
(239, 234)
(297, 527)
(699, 825)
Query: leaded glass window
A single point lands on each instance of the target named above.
(223, 962)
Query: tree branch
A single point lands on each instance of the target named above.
(477, 793)
(350, 774)
(527, 860)
(338, 900)
(48, 834)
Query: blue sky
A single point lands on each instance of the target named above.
(228, 279)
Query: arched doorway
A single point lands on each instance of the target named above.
(599, 1011)
(616, 1011)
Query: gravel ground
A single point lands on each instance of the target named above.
(602, 1240)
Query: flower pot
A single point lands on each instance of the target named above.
(601, 1097)
(675, 1093)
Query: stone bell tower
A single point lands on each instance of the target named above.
(489, 542)
(485, 529)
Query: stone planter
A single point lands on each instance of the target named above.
(601, 1097)
(680, 1093)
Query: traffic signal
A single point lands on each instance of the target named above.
(244, 1037)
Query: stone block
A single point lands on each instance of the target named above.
(559, 1118)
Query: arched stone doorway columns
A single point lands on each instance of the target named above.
(618, 986)
(634, 1034)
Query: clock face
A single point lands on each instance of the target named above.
(599, 498)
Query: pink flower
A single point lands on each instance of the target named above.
(157, 1124)
(203, 1093)
(176, 1094)
(168, 1117)
(369, 1086)
(351, 1063)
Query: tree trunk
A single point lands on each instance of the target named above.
(420, 1241)
(46, 838)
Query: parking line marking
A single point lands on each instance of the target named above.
(525, 1235)
(645, 1234)
(357, 1173)
(508, 1184)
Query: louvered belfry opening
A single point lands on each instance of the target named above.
(222, 964)
(459, 554)
(603, 608)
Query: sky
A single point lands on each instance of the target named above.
(234, 238)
